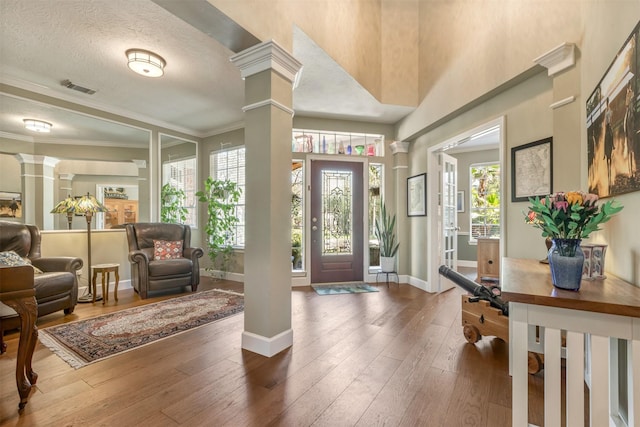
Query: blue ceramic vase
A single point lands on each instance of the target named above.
(566, 260)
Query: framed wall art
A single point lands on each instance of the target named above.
(417, 195)
(10, 205)
(532, 170)
(613, 146)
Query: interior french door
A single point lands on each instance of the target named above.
(336, 221)
(449, 215)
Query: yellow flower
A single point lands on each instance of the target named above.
(574, 198)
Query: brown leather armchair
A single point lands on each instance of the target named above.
(149, 274)
(56, 288)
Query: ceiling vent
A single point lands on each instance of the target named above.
(68, 84)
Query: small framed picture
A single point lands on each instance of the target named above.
(531, 170)
(10, 205)
(460, 201)
(417, 195)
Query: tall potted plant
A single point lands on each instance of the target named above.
(386, 235)
(221, 197)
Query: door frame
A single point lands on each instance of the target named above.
(365, 208)
(433, 204)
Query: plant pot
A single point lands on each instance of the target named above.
(387, 264)
(566, 260)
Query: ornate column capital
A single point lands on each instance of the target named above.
(399, 147)
(265, 56)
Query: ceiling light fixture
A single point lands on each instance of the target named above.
(37, 125)
(145, 62)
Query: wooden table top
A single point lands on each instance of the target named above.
(529, 281)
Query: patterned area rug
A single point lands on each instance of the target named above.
(88, 341)
(343, 288)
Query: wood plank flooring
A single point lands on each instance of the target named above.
(395, 358)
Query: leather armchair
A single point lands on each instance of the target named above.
(149, 274)
(57, 288)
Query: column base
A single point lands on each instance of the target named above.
(267, 346)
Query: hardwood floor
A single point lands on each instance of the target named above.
(396, 358)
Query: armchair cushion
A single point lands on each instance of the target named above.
(167, 249)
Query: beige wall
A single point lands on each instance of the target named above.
(374, 41)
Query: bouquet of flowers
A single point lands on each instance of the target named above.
(570, 215)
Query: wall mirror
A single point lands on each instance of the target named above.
(81, 154)
(178, 168)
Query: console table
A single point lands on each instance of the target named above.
(17, 291)
(591, 320)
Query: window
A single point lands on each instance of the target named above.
(485, 200)
(181, 175)
(375, 185)
(297, 215)
(230, 165)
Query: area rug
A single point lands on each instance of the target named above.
(91, 340)
(343, 288)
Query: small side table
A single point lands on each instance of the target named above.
(105, 269)
(388, 273)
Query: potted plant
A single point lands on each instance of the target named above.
(221, 197)
(172, 209)
(385, 233)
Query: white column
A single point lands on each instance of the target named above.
(270, 74)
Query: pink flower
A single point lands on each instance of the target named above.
(590, 199)
(562, 205)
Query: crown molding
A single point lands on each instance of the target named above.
(558, 59)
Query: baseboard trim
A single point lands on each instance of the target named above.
(267, 346)
(464, 263)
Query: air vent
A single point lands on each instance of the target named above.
(68, 84)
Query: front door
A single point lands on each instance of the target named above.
(336, 221)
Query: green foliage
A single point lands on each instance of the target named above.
(221, 197)
(172, 209)
(385, 233)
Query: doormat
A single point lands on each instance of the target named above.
(91, 340)
(343, 288)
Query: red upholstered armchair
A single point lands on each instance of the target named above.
(150, 270)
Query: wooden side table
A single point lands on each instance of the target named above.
(17, 291)
(105, 269)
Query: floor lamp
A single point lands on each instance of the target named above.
(66, 206)
(88, 205)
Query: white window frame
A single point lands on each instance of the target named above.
(239, 171)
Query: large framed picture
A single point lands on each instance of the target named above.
(532, 170)
(10, 205)
(613, 146)
(417, 195)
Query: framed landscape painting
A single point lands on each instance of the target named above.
(10, 205)
(613, 146)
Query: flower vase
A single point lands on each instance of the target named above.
(566, 260)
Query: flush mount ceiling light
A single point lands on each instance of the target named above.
(37, 125)
(145, 62)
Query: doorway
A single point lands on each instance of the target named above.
(440, 246)
(337, 221)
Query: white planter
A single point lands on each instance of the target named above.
(387, 264)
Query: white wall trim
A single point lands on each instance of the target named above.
(267, 102)
(267, 346)
(465, 263)
(565, 101)
(399, 147)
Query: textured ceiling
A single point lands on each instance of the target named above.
(201, 93)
